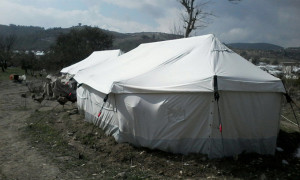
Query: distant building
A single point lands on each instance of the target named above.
(39, 53)
(291, 70)
(289, 66)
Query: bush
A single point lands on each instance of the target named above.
(75, 46)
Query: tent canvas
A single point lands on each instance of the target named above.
(162, 96)
(95, 58)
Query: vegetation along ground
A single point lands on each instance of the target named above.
(48, 141)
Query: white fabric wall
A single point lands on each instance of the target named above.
(250, 123)
(189, 123)
(170, 122)
(81, 99)
(91, 101)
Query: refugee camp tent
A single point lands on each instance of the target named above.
(65, 86)
(93, 59)
(191, 95)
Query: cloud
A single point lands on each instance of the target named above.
(50, 17)
(154, 8)
(140, 4)
(166, 23)
(273, 21)
(236, 34)
(270, 21)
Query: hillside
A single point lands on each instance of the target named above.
(129, 41)
(38, 38)
(32, 38)
(255, 46)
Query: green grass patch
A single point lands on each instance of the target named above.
(41, 131)
(49, 140)
(4, 76)
(43, 135)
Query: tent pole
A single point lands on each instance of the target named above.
(217, 97)
(290, 101)
(294, 114)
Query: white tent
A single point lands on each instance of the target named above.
(95, 58)
(164, 95)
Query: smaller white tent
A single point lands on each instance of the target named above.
(92, 60)
(162, 95)
(96, 58)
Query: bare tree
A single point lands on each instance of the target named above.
(194, 15)
(177, 29)
(6, 45)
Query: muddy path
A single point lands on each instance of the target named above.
(18, 158)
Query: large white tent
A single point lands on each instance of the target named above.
(95, 58)
(191, 95)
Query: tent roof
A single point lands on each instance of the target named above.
(95, 58)
(182, 65)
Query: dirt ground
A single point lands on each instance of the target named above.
(48, 141)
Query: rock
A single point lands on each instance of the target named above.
(160, 172)
(65, 158)
(297, 154)
(203, 159)
(211, 177)
(121, 175)
(263, 177)
(70, 133)
(284, 162)
(279, 149)
(208, 166)
(74, 111)
(236, 157)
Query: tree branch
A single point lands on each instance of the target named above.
(194, 15)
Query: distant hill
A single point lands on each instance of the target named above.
(38, 38)
(31, 37)
(255, 46)
(129, 41)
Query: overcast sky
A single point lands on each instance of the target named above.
(271, 21)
